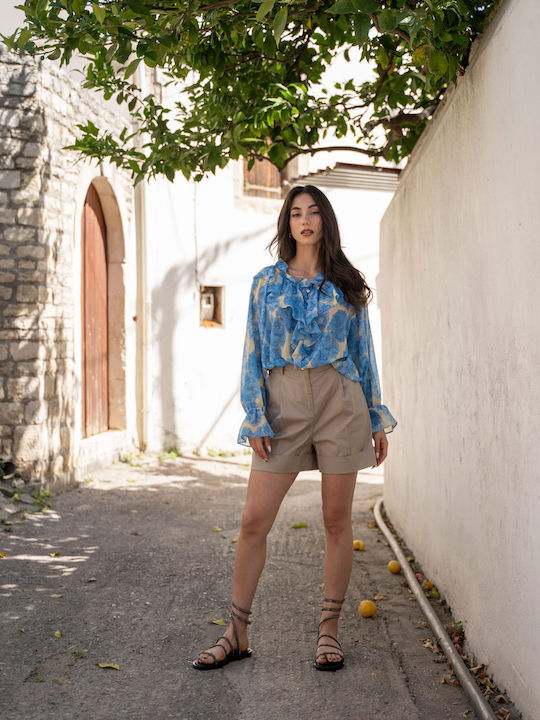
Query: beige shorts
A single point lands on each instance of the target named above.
(320, 420)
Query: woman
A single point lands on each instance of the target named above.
(311, 393)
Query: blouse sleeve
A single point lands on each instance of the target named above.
(252, 390)
(381, 417)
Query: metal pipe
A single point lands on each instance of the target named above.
(144, 304)
(479, 702)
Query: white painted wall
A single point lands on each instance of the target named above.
(196, 370)
(460, 294)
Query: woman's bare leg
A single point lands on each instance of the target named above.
(265, 494)
(337, 497)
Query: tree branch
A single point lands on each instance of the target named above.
(397, 31)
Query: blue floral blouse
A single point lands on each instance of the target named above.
(295, 322)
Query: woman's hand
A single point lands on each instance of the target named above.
(380, 442)
(261, 446)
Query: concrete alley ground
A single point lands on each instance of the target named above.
(128, 569)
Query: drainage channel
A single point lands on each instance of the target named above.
(479, 702)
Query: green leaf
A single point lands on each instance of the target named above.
(24, 37)
(133, 65)
(258, 37)
(342, 7)
(387, 20)
(419, 56)
(90, 128)
(9, 40)
(269, 46)
(382, 57)
(366, 6)
(279, 23)
(299, 525)
(361, 24)
(99, 12)
(437, 62)
(264, 9)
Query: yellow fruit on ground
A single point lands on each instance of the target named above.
(394, 566)
(358, 545)
(367, 608)
(429, 584)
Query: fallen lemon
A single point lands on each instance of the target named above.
(367, 608)
(358, 545)
(394, 566)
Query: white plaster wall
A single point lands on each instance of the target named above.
(460, 255)
(196, 370)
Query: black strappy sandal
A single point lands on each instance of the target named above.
(231, 654)
(335, 649)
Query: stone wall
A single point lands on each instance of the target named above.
(41, 197)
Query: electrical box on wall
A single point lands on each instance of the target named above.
(211, 303)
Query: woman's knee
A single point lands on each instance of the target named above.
(337, 522)
(255, 522)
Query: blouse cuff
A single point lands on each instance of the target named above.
(382, 419)
(255, 425)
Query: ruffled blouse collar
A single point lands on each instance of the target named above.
(282, 265)
(307, 299)
(328, 289)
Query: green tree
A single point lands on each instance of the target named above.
(248, 70)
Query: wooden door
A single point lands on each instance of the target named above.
(95, 371)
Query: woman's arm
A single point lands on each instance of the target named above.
(381, 417)
(252, 390)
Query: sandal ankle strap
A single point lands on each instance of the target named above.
(331, 600)
(235, 606)
(330, 617)
(238, 617)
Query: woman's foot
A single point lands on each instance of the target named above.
(222, 649)
(329, 655)
(232, 645)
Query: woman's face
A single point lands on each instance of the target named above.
(305, 220)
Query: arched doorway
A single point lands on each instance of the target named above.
(94, 311)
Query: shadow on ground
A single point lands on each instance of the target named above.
(130, 570)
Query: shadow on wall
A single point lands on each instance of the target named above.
(35, 316)
(180, 282)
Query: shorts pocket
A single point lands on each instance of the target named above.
(359, 425)
(272, 384)
(353, 395)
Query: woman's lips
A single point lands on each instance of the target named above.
(307, 232)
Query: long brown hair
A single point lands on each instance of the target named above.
(336, 267)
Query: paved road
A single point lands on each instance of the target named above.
(141, 573)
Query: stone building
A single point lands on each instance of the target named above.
(51, 207)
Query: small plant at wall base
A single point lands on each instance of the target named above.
(172, 454)
(41, 498)
(248, 70)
